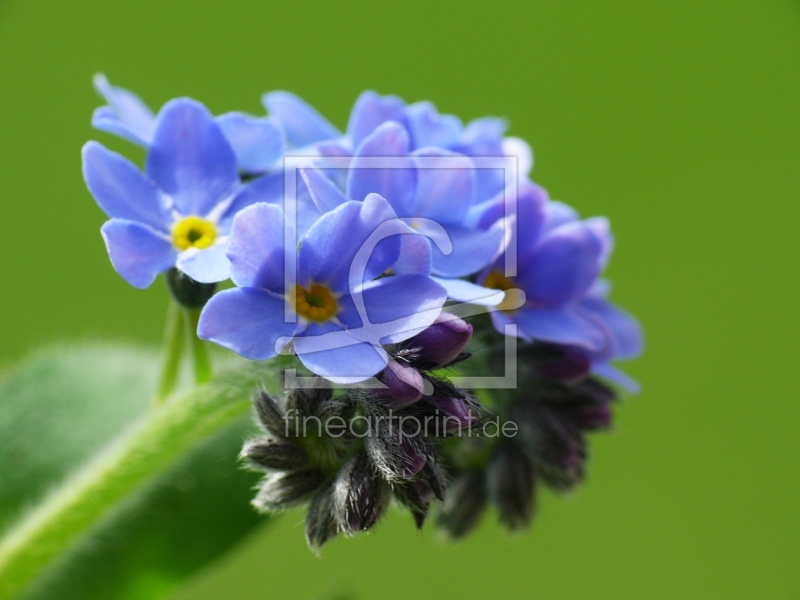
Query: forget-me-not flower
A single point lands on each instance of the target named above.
(558, 260)
(424, 125)
(179, 211)
(258, 143)
(340, 305)
(433, 190)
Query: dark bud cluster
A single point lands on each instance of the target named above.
(349, 452)
(554, 407)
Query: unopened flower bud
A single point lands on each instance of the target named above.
(455, 414)
(270, 414)
(284, 490)
(464, 505)
(415, 496)
(398, 455)
(442, 342)
(568, 366)
(553, 442)
(511, 485)
(274, 454)
(188, 292)
(321, 522)
(360, 495)
(403, 385)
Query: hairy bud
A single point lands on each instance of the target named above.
(416, 496)
(553, 442)
(360, 495)
(321, 522)
(396, 454)
(464, 505)
(273, 454)
(284, 490)
(511, 485)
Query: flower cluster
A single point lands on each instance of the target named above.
(350, 251)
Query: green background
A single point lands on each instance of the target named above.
(678, 120)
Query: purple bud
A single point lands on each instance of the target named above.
(570, 367)
(397, 455)
(403, 385)
(455, 413)
(441, 343)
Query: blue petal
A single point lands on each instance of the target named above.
(324, 192)
(560, 326)
(429, 128)
(330, 249)
(559, 213)
(473, 249)
(121, 190)
(256, 248)
(339, 357)
(190, 158)
(267, 188)
(369, 112)
(464, 291)
(127, 116)
(206, 266)
(565, 264)
(300, 122)
(398, 308)
(270, 188)
(520, 149)
(416, 257)
(393, 177)
(612, 373)
(529, 208)
(626, 333)
(445, 185)
(247, 321)
(138, 252)
(257, 143)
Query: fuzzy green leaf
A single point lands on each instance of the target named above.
(61, 407)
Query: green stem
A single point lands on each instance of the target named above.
(200, 360)
(174, 342)
(149, 448)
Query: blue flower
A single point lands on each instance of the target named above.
(558, 260)
(179, 212)
(433, 190)
(423, 124)
(337, 307)
(258, 143)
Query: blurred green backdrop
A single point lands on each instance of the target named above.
(678, 120)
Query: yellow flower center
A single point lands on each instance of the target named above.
(497, 281)
(193, 232)
(315, 304)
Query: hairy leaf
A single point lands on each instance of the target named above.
(64, 405)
